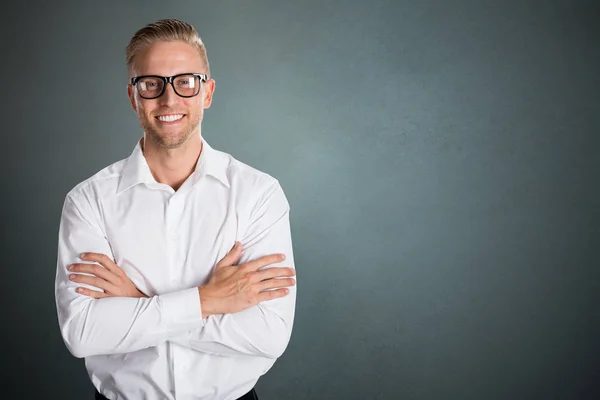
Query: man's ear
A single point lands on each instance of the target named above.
(131, 94)
(209, 89)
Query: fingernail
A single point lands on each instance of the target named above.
(71, 267)
(82, 255)
(283, 256)
(72, 277)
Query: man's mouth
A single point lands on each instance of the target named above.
(169, 117)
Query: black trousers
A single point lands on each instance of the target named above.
(251, 395)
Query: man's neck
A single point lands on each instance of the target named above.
(172, 166)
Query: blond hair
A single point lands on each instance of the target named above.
(166, 30)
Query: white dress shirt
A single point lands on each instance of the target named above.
(168, 242)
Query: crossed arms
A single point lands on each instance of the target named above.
(230, 316)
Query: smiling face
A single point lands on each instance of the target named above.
(169, 121)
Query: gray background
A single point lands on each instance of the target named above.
(441, 161)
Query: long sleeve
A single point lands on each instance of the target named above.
(263, 330)
(111, 325)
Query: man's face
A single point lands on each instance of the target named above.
(170, 120)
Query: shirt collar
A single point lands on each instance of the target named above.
(136, 169)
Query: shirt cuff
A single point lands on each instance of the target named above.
(181, 311)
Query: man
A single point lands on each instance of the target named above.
(162, 305)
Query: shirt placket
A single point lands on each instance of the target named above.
(175, 208)
(172, 235)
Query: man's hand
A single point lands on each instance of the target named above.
(234, 288)
(108, 276)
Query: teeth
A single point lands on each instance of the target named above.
(170, 118)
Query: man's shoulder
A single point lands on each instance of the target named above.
(106, 178)
(244, 175)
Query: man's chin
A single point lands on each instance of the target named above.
(170, 143)
(169, 140)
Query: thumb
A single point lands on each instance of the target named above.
(232, 257)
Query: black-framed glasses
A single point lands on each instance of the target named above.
(153, 86)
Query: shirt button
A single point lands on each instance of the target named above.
(184, 368)
(174, 237)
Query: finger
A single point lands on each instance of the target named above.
(272, 294)
(275, 283)
(91, 293)
(232, 257)
(263, 261)
(93, 281)
(102, 259)
(274, 272)
(97, 270)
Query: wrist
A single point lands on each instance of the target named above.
(207, 302)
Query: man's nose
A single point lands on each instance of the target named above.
(169, 96)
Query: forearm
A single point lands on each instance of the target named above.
(121, 325)
(257, 331)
